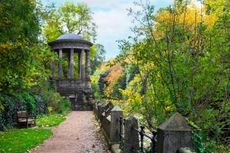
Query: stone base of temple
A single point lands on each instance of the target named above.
(78, 92)
(83, 107)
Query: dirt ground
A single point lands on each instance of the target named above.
(78, 134)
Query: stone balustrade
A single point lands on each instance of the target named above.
(123, 135)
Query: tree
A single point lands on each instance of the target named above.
(69, 18)
(98, 54)
(181, 53)
(23, 56)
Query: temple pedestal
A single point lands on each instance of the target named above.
(80, 95)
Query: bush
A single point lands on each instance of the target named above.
(41, 104)
(64, 105)
(56, 103)
(34, 103)
(8, 114)
(13, 103)
(26, 102)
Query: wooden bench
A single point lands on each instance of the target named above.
(23, 118)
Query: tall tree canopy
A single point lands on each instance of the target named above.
(69, 18)
(22, 57)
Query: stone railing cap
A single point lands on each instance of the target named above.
(116, 108)
(175, 123)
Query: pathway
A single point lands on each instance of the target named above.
(78, 134)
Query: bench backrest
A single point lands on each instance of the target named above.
(21, 114)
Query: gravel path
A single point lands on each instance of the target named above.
(78, 134)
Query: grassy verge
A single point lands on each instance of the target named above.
(22, 140)
(50, 119)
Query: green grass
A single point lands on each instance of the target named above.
(22, 140)
(50, 119)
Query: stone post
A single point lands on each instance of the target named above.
(79, 65)
(131, 139)
(99, 111)
(82, 66)
(71, 64)
(115, 132)
(60, 71)
(173, 134)
(87, 65)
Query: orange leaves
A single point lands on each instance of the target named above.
(115, 73)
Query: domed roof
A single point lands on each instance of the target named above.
(74, 39)
(70, 36)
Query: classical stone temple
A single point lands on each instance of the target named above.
(77, 89)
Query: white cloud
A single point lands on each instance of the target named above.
(113, 24)
(112, 20)
(106, 3)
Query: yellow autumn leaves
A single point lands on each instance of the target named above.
(189, 18)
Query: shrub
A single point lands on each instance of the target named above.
(64, 105)
(8, 114)
(41, 104)
(33, 104)
(47, 102)
(56, 103)
(26, 102)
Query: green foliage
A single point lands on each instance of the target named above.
(69, 18)
(49, 119)
(56, 103)
(47, 102)
(20, 141)
(26, 102)
(97, 54)
(120, 85)
(102, 82)
(23, 58)
(181, 54)
(34, 104)
(198, 143)
(8, 115)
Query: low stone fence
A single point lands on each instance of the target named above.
(125, 135)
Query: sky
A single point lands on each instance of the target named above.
(111, 19)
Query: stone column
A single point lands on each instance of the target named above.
(52, 64)
(53, 70)
(79, 66)
(87, 65)
(71, 64)
(60, 71)
(82, 66)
